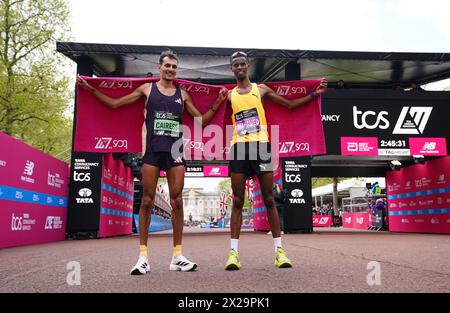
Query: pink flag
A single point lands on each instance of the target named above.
(300, 129)
(105, 130)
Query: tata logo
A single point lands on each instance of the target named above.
(85, 192)
(370, 119)
(292, 178)
(412, 120)
(81, 176)
(297, 201)
(85, 201)
(297, 193)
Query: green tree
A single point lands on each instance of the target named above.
(34, 90)
(322, 181)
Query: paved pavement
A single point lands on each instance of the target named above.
(329, 260)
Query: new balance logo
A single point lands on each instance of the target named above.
(179, 101)
(430, 146)
(215, 170)
(413, 120)
(29, 168)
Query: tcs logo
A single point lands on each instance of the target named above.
(361, 120)
(16, 223)
(81, 176)
(293, 178)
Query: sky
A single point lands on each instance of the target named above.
(345, 25)
(349, 25)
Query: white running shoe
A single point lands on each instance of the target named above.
(180, 263)
(142, 266)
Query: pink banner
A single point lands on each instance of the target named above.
(356, 220)
(260, 220)
(116, 215)
(428, 146)
(101, 129)
(419, 197)
(105, 130)
(359, 145)
(215, 171)
(33, 195)
(300, 129)
(322, 220)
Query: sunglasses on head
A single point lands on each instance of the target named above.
(238, 54)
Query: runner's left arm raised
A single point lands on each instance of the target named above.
(290, 104)
(192, 110)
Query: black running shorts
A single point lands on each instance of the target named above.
(163, 160)
(251, 158)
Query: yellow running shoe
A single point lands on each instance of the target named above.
(281, 259)
(233, 263)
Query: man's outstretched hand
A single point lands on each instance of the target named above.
(322, 88)
(84, 84)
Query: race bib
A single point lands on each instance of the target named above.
(247, 122)
(166, 124)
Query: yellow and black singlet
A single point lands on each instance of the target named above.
(249, 118)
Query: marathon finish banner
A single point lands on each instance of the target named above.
(33, 195)
(419, 197)
(386, 123)
(297, 186)
(104, 130)
(117, 193)
(85, 192)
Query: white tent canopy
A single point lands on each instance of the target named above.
(348, 185)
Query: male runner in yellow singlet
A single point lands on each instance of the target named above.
(250, 152)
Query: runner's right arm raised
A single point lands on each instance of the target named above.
(111, 102)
